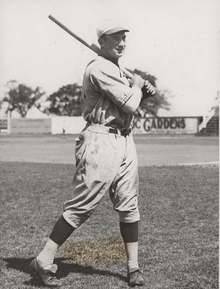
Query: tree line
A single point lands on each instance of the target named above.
(66, 101)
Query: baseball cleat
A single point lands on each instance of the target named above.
(45, 275)
(136, 279)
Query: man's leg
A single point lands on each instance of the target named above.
(90, 182)
(129, 232)
(60, 233)
(43, 265)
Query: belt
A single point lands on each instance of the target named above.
(120, 131)
(106, 129)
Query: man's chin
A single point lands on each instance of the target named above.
(119, 54)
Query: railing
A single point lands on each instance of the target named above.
(206, 119)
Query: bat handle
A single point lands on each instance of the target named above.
(95, 48)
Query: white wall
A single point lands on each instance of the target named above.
(69, 125)
(162, 125)
(74, 125)
(25, 125)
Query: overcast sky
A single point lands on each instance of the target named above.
(176, 41)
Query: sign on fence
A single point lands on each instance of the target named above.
(3, 123)
(166, 125)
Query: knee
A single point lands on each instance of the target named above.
(75, 220)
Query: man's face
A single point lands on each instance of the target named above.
(114, 44)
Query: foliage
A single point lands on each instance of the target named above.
(215, 107)
(152, 79)
(21, 98)
(65, 101)
(152, 104)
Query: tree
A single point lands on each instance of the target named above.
(215, 107)
(65, 101)
(21, 98)
(153, 103)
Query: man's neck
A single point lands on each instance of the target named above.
(108, 57)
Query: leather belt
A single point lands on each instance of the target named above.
(106, 129)
(120, 131)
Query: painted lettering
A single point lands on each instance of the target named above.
(166, 123)
(153, 125)
(157, 123)
(147, 125)
(160, 122)
(182, 123)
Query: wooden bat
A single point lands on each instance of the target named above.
(93, 46)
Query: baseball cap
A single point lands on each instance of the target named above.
(110, 28)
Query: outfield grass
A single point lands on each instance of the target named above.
(152, 149)
(178, 231)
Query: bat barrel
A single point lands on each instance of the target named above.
(70, 32)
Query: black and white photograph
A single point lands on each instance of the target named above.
(109, 144)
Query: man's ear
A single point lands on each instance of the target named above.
(101, 42)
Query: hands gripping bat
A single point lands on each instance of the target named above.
(148, 88)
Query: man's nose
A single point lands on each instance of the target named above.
(122, 42)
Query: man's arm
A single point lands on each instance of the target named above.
(143, 90)
(134, 100)
(126, 97)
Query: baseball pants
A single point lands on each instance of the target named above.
(104, 162)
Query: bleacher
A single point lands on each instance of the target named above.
(212, 127)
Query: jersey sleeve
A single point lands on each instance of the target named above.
(112, 86)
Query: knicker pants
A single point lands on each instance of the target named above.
(104, 162)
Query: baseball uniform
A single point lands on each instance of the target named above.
(106, 158)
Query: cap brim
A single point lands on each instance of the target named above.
(116, 29)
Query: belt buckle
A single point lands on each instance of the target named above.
(125, 131)
(113, 130)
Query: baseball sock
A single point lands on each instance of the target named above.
(61, 231)
(132, 256)
(46, 256)
(129, 232)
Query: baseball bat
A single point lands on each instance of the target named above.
(93, 46)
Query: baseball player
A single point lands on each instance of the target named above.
(106, 159)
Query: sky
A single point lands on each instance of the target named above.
(176, 41)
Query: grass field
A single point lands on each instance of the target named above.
(178, 229)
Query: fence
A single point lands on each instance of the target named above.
(73, 125)
(35, 126)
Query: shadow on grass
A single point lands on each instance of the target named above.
(22, 265)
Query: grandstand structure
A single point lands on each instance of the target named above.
(210, 124)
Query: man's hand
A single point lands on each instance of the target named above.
(144, 85)
(137, 81)
(149, 88)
